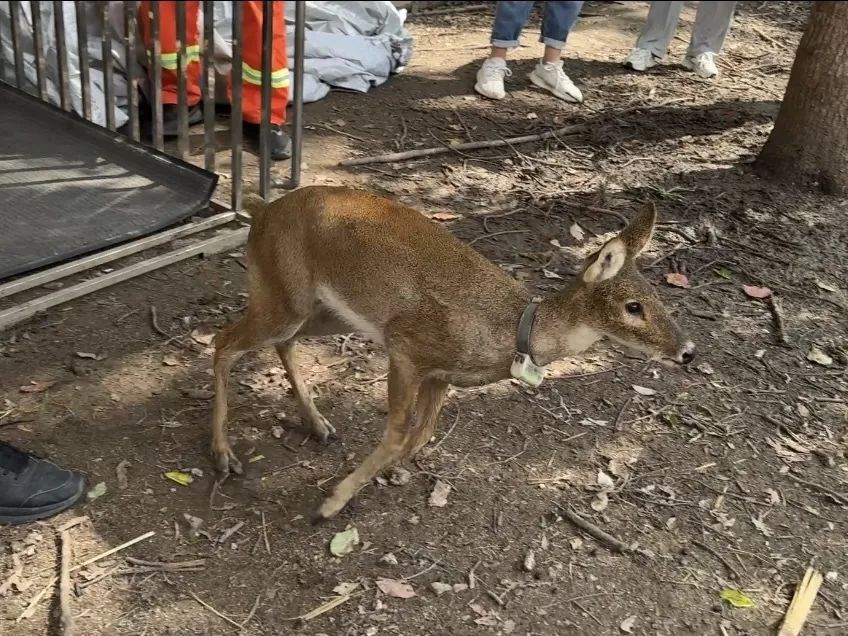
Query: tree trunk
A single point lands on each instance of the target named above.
(809, 142)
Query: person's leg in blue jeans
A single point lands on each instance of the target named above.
(510, 19)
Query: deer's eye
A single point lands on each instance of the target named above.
(634, 308)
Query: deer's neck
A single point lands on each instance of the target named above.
(559, 331)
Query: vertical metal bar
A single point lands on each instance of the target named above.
(182, 62)
(265, 117)
(129, 63)
(297, 124)
(14, 15)
(82, 54)
(2, 58)
(209, 142)
(38, 40)
(235, 120)
(62, 55)
(156, 88)
(108, 67)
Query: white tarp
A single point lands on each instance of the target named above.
(93, 23)
(348, 45)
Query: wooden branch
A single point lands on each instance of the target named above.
(67, 614)
(594, 531)
(473, 145)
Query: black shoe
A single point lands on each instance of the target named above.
(281, 145)
(171, 118)
(32, 488)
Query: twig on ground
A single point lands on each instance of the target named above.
(214, 611)
(474, 145)
(594, 531)
(591, 373)
(448, 434)
(454, 9)
(154, 320)
(731, 570)
(776, 310)
(341, 132)
(837, 497)
(321, 609)
(768, 38)
(618, 425)
(489, 217)
(65, 585)
(176, 566)
(485, 236)
(72, 523)
(30, 608)
(229, 532)
(462, 123)
(401, 140)
(802, 603)
(265, 534)
(252, 610)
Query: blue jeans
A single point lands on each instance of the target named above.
(510, 18)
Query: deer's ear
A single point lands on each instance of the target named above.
(607, 263)
(639, 231)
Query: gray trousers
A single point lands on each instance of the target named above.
(712, 23)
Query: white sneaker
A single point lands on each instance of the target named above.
(703, 64)
(552, 78)
(641, 60)
(490, 78)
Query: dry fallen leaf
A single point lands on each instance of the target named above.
(736, 598)
(399, 476)
(577, 232)
(89, 356)
(121, 474)
(170, 360)
(819, 357)
(600, 502)
(627, 624)
(97, 491)
(203, 335)
(36, 387)
(346, 587)
(677, 280)
(530, 561)
(760, 525)
(440, 588)
(343, 543)
(644, 390)
(605, 481)
(549, 274)
(826, 286)
(445, 216)
(439, 496)
(757, 292)
(199, 394)
(183, 479)
(395, 588)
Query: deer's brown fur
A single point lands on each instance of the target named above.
(325, 260)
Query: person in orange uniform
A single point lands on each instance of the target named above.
(252, 70)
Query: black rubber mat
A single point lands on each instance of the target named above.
(69, 187)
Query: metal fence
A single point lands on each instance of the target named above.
(207, 74)
(227, 212)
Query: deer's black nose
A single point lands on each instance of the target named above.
(687, 354)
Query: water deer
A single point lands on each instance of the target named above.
(329, 260)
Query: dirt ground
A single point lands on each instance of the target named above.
(730, 474)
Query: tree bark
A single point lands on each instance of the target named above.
(809, 142)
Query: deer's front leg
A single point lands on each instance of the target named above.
(403, 387)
